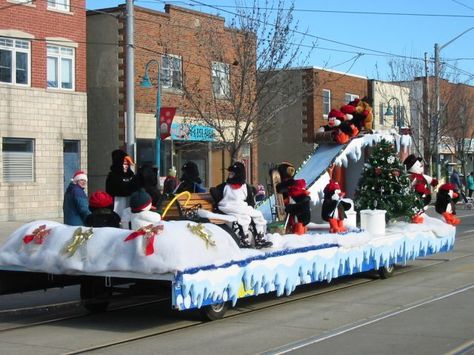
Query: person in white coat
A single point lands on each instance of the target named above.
(236, 198)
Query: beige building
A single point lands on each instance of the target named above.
(43, 105)
(391, 105)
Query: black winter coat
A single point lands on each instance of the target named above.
(103, 217)
(119, 183)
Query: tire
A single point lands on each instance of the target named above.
(386, 272)
(94, 295)
(214, 311)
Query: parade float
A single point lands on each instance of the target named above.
(197, 255)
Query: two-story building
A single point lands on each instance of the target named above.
(43, 104)
(292, 138)
(170, 42)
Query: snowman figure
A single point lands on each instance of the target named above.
(420, 183)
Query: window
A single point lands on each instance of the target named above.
(326, 102)
(18, 159)
(60, 67)
(171, 72)
(381, 113)
(62, 5)
(14, 61)
(220, 79)
(22, 1)
(350, 97)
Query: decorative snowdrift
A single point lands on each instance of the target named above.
(283, 270)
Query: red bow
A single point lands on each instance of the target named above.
(38, 235)
(149, 232)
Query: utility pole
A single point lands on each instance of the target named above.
(437, 49)
(130, 81)
(435, 125)
(424, 127)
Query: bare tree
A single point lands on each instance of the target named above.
(246, 60)
(458, 120)
(429, 126)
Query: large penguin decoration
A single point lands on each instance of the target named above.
(296, 197)
(444, 199)
(333, 210)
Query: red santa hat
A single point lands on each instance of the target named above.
(336, 113)
(332, 186)
(447, 187)
(79, 175)
(348, 109)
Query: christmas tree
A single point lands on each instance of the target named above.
(385, 185)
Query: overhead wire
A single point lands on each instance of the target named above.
(358, 54)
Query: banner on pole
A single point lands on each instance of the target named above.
(166, 119)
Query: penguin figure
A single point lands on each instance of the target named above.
(446, 195)
(334, 208)
(296, 198)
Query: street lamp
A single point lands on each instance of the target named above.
(437, 49)
(146, 83)
(389, 111)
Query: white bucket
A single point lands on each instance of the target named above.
(373, 221)
(351, 220)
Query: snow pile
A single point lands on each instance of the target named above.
(176, 248)
(284, 271)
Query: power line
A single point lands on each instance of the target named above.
(358, 54)
(371, 13)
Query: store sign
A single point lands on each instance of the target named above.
(189, 132)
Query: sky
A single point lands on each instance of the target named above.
(362, 37)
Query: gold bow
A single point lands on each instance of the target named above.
(201, 232)
(78, 238)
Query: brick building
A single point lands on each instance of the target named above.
(293, 136)
(43, 104)
(170, 40)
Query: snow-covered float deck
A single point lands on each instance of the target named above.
(203, 274)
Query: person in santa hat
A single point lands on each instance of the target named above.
(75, 204)
(101, 205)
(333, 210)
(444, 199)
(236, 198)
(420, 183)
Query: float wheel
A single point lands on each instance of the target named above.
(214, 311)
(386, 272)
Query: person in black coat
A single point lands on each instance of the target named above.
(148, 180)
(190, 180)
(101, 205)
(121, 181)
